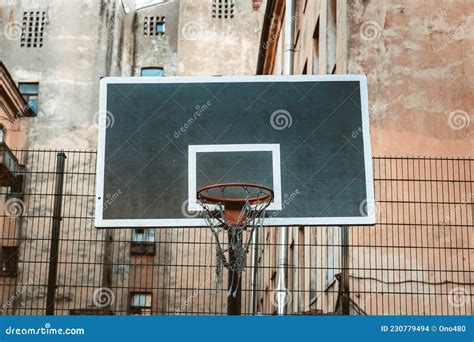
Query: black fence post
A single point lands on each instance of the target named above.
(345, 270)
(56, 224)
(234, 296)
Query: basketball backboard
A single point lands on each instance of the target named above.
(162, 138)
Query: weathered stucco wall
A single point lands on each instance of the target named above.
(68, 67)
(419, 59)
(212, 46)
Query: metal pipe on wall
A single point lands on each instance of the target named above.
(282, 295)
(253, 273)
(55, 234)
(289, 46)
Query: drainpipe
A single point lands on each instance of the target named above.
(289, 47)
(253, 273)
(282, 295)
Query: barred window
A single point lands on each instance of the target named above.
(140, 303)
(32, 29)
(9, 261)
(154, 26)
(143, 235)
(223, 9)
(30, 92)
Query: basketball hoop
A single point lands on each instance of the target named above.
(233, 207)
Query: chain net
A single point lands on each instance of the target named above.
(233, 255)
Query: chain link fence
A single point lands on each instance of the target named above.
(417, 260)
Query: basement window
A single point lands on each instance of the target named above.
(9, 261)
(140, 303)
(143, 235)
(32, 29)
(143, 242)
(152, 71)
(154, 26)
(30, 92)
(223, 9)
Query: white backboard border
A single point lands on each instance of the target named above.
(100, 222)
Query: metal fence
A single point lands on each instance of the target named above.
(418, 259)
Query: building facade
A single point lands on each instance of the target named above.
(62, 49)
(416, 56)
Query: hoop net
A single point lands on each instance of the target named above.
(235, 208)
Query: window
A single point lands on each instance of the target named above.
(152, 71)
(160, 27)
(9, 261)
(143, 235)
(222, 9)
(143, 242)
(30, 94)
(140, 304)
(32, 29)
(154, 26)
